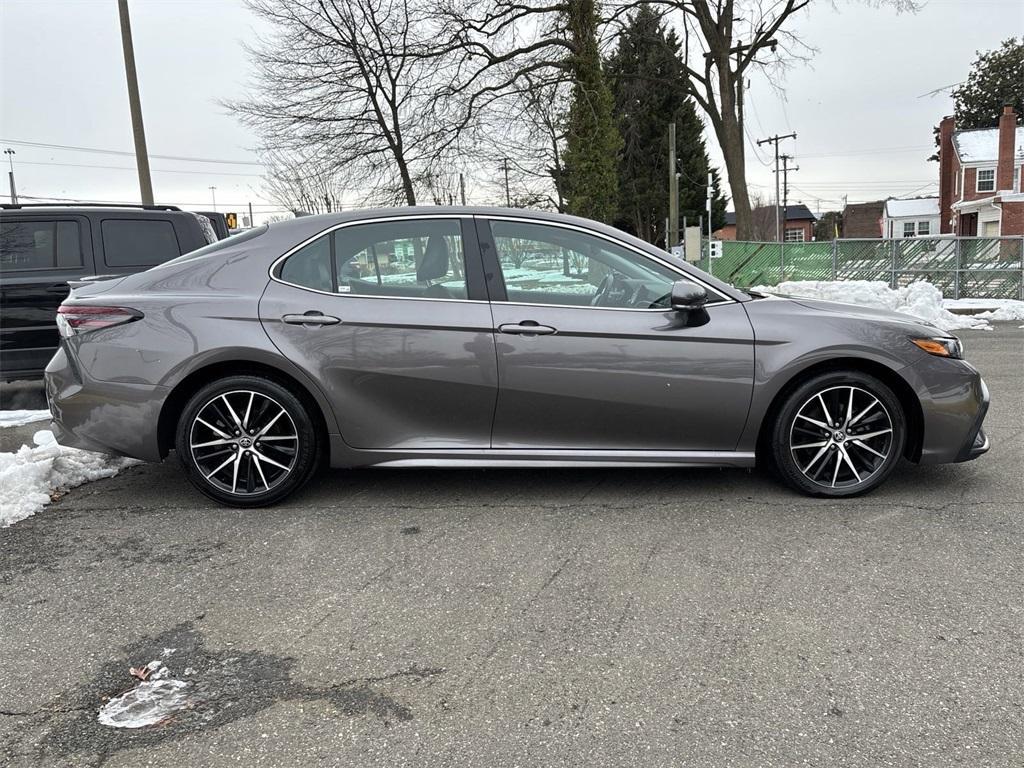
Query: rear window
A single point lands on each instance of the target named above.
(138, 242)
(220, 245)
(34, 244)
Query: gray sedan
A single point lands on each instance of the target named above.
(492, 337)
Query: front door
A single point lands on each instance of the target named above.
(591, 357)
(391, 319)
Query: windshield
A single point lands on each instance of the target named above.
(220, 245)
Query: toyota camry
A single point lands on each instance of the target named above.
(483, 337)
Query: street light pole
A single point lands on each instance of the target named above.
(135, 105)
(10, 176)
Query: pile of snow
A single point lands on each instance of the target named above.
(921, 299)
(30, 477)
(999, 310)
(148, 703)
(20, 418)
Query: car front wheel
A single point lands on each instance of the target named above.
(246, 441)
(839, 434)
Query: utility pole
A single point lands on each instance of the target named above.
(252, 221)
(785, 186)
(710, 190)
(673, 191)
(213, 196)
(462, 188)
(508, 196)
(135, 105)
(775, 140)
(10, 176)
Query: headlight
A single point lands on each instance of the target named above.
(942, 347)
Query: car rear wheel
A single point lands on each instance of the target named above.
(839, 434)
(246, 441)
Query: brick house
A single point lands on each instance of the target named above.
(799, 226)
(863, 220)
(981, 189)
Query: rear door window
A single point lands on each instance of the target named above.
(410, 258)
(38, 244)
(138, 242)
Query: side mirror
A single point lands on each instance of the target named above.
(687, 296)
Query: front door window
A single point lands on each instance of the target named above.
(542, 264)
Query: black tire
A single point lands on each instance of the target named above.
(857, 452)
(234, 423)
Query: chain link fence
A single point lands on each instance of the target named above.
(962, 267)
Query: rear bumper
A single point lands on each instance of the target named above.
(102, 416)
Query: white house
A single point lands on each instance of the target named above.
(917, 217)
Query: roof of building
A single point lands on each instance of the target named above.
(981, 145)
(794, 212)
(917, 206)
(863, 219)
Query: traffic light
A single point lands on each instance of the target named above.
(231, 219)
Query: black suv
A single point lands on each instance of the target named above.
(42, 247)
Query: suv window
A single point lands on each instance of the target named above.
(35, 244)
(410, 258)
(138, 242)
(543, 264)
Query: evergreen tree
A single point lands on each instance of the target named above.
(589, 180)
(996, 79)
(648, 82)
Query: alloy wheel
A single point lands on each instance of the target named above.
(841, 436)
(244, 442)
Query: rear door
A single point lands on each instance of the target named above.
(590, 356)
(38, 255)
(390, 316)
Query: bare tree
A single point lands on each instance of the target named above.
(355, 80)
(303, 182)
(526, 133)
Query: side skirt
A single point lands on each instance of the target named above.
(345, 456)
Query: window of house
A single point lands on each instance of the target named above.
(794, 234)
(26, 245)
(908, 229)
(138, 242)
(543, 264)
(410, 258)
(986, 180)
(924, 227)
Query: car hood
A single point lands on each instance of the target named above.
(860, 312)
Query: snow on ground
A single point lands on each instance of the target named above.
(1004, 310)
(30, 476)
(148, 703)
(921, 299)
(20, 418)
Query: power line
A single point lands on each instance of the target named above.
(273, 206)
(123, 153)
(126, 168)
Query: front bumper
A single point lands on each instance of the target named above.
(977, 441)
(102, 416)
(954, 401)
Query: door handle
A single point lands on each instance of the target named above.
(310, 318)
(527, 328)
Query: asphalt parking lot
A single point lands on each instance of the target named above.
(533, 618)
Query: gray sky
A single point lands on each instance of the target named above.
(863, 127)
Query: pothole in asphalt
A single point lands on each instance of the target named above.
(191, 688)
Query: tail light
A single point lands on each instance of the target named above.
(73, 320)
